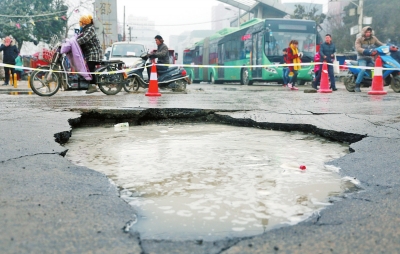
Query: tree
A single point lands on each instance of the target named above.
(384, 23)
(32, 20)
(340, 26)
(301, 12)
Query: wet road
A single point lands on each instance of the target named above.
(48, 203)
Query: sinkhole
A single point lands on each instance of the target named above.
(210, 181)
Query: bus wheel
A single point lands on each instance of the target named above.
(212, 79)
(244, 77)
(190, 81)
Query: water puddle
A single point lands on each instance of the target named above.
(206, 181)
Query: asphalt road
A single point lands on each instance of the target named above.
(49, 205)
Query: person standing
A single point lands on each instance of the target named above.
(285, 69)
(327, 54)
(10, 52)
(294, 57)
(365, 47)
(91, 48)
(317, 70)
(19, 63)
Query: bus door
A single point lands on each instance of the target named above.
(256, 58)
(197, 61)
(206, 58)
(221, 61)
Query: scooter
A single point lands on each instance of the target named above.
(174, 78)
(390, 77)
(47, 80)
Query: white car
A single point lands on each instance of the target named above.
(128, 52)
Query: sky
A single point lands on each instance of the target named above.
(172, 17)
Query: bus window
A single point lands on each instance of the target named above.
(213, 58)
(187, 57)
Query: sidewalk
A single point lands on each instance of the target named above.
(22, 86)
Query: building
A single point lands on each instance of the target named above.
(186, 40)
(106, 22)
(140, 29)
(222, 15)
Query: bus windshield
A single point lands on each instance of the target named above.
(280, 32)
(187, 57)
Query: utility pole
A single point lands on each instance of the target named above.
(123, 36)
(130, 33)
(360, 11)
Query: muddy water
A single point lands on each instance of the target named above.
(205, 181)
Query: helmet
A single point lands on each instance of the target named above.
(85, 20)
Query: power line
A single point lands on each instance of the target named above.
(26, 16)
(188, 24)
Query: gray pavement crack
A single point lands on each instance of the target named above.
(36, 154)
(375, 124)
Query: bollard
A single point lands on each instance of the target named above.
(29, 81)
(15, 80)
(11, 80)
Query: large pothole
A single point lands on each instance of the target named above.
(208, 181)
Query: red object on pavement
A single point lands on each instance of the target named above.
(303, 167)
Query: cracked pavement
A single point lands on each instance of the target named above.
(48, 204)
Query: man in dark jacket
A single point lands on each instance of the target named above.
(162, 54)
(9, 55)
(327, 53)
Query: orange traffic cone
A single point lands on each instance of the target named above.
(377, 81)
(153, 85)
(324, 84)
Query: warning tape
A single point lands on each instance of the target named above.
(190, 66)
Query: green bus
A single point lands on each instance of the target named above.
(253, 49)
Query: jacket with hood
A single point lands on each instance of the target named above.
(10, 52)
(366, 43)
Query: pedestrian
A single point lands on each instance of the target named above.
(285, 69)
(365, 47)
(162, 55)
(317, 69)
(10, 52)
(91, 48)
(18, 62)
(327, 54)
(294, 57)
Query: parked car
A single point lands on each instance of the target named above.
(128, 52)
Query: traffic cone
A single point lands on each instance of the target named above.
(153, 84)
(324, 84)
(377, 81)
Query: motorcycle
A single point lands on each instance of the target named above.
(173, 78)
(47, 80)
(390, 77)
